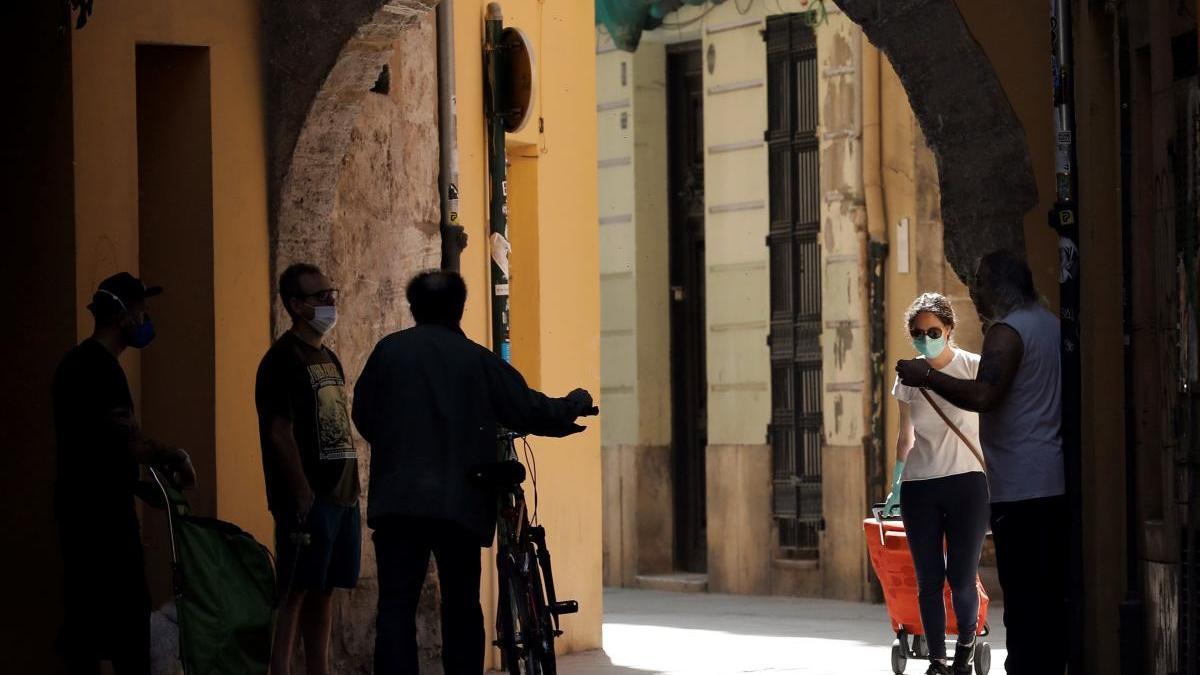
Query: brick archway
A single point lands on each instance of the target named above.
(984, 168)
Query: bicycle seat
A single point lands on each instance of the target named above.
(499, 475)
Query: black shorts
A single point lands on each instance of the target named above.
(330, 557)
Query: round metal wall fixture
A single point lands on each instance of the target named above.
(516, 90)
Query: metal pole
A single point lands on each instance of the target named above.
(1064, 219)
(454, 238)
(1131, 629)
(497, 170)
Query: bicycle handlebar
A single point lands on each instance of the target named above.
(515, 435)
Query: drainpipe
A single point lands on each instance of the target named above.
(1064, 219)
(875, 445)
(454, 237)
(877, 250)
(498, 174)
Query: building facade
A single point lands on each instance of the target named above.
(805, 181)
(207, 148)
(913, 157)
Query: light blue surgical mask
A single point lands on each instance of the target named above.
(324, 319)
(930, 349)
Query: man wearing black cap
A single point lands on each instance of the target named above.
(99, 449)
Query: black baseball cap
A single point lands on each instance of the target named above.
(126, 287)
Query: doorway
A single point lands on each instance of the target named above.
(689, 377)
(175, 250)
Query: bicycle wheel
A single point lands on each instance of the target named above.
(519, 633)
(506, 624)
(533, 626)
(545, 623)
(527, 662)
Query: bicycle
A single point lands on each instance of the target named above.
(528, 611)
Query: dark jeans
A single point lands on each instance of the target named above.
(1031, 557)
(945, 520)
(402, 548)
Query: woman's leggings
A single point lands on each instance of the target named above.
(955, 510)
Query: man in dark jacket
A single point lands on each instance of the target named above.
(430, 402)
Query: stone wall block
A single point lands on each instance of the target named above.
(985, 172)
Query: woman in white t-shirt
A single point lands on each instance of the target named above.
(945, 487)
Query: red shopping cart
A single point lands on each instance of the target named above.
(887, 545)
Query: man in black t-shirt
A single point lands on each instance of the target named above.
(310, 466)
(100, 446)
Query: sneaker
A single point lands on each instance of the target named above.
(938, 668)
(964, 657)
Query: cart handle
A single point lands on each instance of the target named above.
(170, 511)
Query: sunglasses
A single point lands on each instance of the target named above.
(328, 296)
(932, 333)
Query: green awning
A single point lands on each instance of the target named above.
(626, 19)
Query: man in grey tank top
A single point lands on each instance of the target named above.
(1017, 393)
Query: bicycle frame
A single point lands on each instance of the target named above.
(527, 616)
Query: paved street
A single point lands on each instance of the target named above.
(657, 632)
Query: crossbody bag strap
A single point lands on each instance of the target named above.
(954, 427)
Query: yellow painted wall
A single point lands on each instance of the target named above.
(555, 269)
(1019, 51)
(107, 204)
(565, 312)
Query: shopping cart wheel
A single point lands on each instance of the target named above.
(920, 647)
(899, 658)
(983, 659)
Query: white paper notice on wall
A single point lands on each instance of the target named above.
(902, 246)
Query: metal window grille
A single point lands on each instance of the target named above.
(795, 430)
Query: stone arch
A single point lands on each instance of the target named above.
(339, 197)
(322, 60)
(984, 168)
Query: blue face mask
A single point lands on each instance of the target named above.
(930, 349)
(143, 335)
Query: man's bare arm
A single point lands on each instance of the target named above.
(1002, 352)
(146, 450)
(287, 453)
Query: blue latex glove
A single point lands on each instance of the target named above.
(892, 506)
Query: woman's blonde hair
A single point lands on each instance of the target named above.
(934, 303)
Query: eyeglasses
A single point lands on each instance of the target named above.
(329, 296)
(933, 333)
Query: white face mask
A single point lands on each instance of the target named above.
(324, 319)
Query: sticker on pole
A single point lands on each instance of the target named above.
(1068, 260)
(500, 250)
